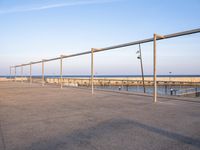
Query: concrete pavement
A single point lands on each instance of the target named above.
(48, 118)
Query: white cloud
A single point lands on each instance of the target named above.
(58, 5)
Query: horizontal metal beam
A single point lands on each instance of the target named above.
(150, 40)
(118, 46)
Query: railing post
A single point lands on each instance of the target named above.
(92, 70)
(30, 73)
(42, 72)
(61, 69)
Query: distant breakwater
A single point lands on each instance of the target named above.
(116, 81)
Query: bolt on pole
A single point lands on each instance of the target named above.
(30, 73)
(92, 70)
(42, 72)
(61, 73)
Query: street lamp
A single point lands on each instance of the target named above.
(171, 90)
(142, 71)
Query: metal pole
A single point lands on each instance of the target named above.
(154, 69)
(15, 74)
(10, 72)
(92, 70)
(30, 73)
(42, 72)
(22, 74)
(61, 69)
(155, 36)
(142, 68)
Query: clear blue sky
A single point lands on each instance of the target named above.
(32, 30)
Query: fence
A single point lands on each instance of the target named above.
(95, 50)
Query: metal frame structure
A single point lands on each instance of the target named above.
(155, 38)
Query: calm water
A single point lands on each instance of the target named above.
(162, 90)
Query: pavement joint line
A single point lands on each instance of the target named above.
(2, 137)
(1, 133)
(169, 103)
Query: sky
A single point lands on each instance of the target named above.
(32, 30)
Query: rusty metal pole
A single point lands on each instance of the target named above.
(92, 70)
(154, 69)
(42, 72)
(30, 73)
(61, 69)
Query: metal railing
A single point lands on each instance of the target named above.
(187, 91)
(94, 50)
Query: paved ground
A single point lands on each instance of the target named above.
(48, 118)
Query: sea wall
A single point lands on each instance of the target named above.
(4, 79)
(130, 81)
(126, 81)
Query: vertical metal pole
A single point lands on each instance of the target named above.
(10, 72)
(142, 68)
(61, 69)
(42, 72)
(30, 73)
(15, 74)
(92, 70)
(22, 74)
(154, 69)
